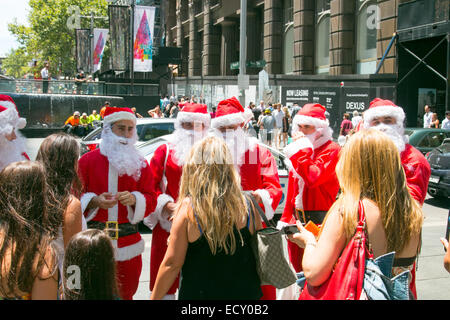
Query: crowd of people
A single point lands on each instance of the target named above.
(69, 225)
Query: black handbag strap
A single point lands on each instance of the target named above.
(258, 208)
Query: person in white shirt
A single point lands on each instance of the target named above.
(44, 76)
(427, 117)
(356, 119)
(278, 114)
(446, 121)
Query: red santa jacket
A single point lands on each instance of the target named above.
(314, 177)
(417, 171)
(166, 176)
(98, 177)
(259, 173)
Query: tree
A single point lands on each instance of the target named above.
(48, 38)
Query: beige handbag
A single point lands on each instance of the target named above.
(267, 244)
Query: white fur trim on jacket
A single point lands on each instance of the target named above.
(232, 119)
(204, 118)
(294, 147)
(156, 216)
(384, 111)
(138, 214)
(267, 201)
(120, 115)
(9, 119)
(129, 252)
(85, 199)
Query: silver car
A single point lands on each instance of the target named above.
(147, 149)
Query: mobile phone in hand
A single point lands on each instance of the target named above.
(290, 229)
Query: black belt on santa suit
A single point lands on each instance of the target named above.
(114, 229)
(315, 216)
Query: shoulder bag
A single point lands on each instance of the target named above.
(267, 244)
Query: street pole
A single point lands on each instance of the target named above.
(243, 48)
(133, 3)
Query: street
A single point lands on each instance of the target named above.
(433, 281)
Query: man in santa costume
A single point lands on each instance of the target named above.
(255, 164)
(312, 185)
(386, 116)
(166, 166)
(12, 143)
(117, 193)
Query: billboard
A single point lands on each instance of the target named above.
(119, 36)
(144, 22)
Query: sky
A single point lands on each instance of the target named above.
(11, 9)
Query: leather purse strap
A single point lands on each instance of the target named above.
(256, 206)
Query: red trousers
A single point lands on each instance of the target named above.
(128, 273)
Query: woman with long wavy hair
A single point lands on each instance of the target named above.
(27, 258)
(210, 236)
(369, 170)
(59, 154)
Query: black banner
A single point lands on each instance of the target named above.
(83, 45)
(119, 36)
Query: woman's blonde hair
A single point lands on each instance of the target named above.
(212, 183)
(370, 167)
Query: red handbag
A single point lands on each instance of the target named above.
(346, 280)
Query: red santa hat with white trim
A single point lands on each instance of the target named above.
(230, 112)
(113, 114)
(311, 114)
(383, 108)
(9, 115)
(194, 112)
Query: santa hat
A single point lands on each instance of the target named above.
(310, 114)
(383, 108)
(9, 115)
(113, 114)
(194, 112)
(230, 112)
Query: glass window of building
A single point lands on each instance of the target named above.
(322, 43)
(288, 36)
(366, 33)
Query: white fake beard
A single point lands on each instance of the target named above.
(121, 153)
(182, 142)
(238, 143)
(395, 133)
(11, 151)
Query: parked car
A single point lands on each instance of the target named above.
(147, 129)
(426, 139)
(148, 148)
(439, 159)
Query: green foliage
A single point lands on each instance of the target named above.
(48, 37)
(16, 63)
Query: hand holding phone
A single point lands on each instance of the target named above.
(290, 229)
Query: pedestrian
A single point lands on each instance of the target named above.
(278, 114)
(296, 108)
(97, 281)
(155, 113)
(312, 181)
(446, 121)
(94, 116)
(174, 111)
(166, 166)
(427, 117)
(213, 113)
(12, 142)
(85, 124)
(45, 75)
(102, 110)
(267, 124)
(434, 121)
(117, 193)
(212, 231)
(137, 115)
(386, 116)
(79, 80)
(356, 119)
(59, 154)
(256, 165)
(28, 265)
(286, 126)
(369, 172)
(346, 125)
(72, 123)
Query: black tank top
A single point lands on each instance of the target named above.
(205, 276)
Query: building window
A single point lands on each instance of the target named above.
(322, 49)
(288, 36)
(366, 33)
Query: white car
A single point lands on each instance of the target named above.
(147, 129)
(148, 148)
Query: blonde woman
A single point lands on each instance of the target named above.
(211, 231)
(369, 169)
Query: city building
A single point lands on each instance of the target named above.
(341, 53)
